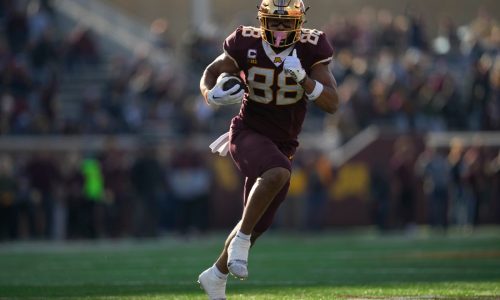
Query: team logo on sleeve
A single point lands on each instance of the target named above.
(252, 56)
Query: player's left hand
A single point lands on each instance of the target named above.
(293, 67)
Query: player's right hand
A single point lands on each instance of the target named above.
(218, 96)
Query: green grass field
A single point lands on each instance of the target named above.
(345, 265)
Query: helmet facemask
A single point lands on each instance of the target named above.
(281, 21)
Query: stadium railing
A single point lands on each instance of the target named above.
(113, 25)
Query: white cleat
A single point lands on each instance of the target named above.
(214, 287)
(237, 260)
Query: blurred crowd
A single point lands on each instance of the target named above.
(38, 55)
(113, 193)
(390, 71)
(155, 190)
(34, 55)
(456, 185)
(393, 74)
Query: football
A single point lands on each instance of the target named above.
(233, 80)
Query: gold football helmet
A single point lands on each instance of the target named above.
(281, 21)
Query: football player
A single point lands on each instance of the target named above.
(285, 67)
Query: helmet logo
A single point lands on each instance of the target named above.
(281, 5)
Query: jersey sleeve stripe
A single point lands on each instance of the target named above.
(322, 61)
(234, 60)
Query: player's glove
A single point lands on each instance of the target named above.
(218, 96)
(293, 67)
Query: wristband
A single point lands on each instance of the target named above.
(318, 89)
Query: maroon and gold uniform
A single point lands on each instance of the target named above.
(280, 62)
(275, 105)
(264, 134)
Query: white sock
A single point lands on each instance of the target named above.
(218, 273)
(241, 235)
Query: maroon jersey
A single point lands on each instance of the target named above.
(275, 105)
